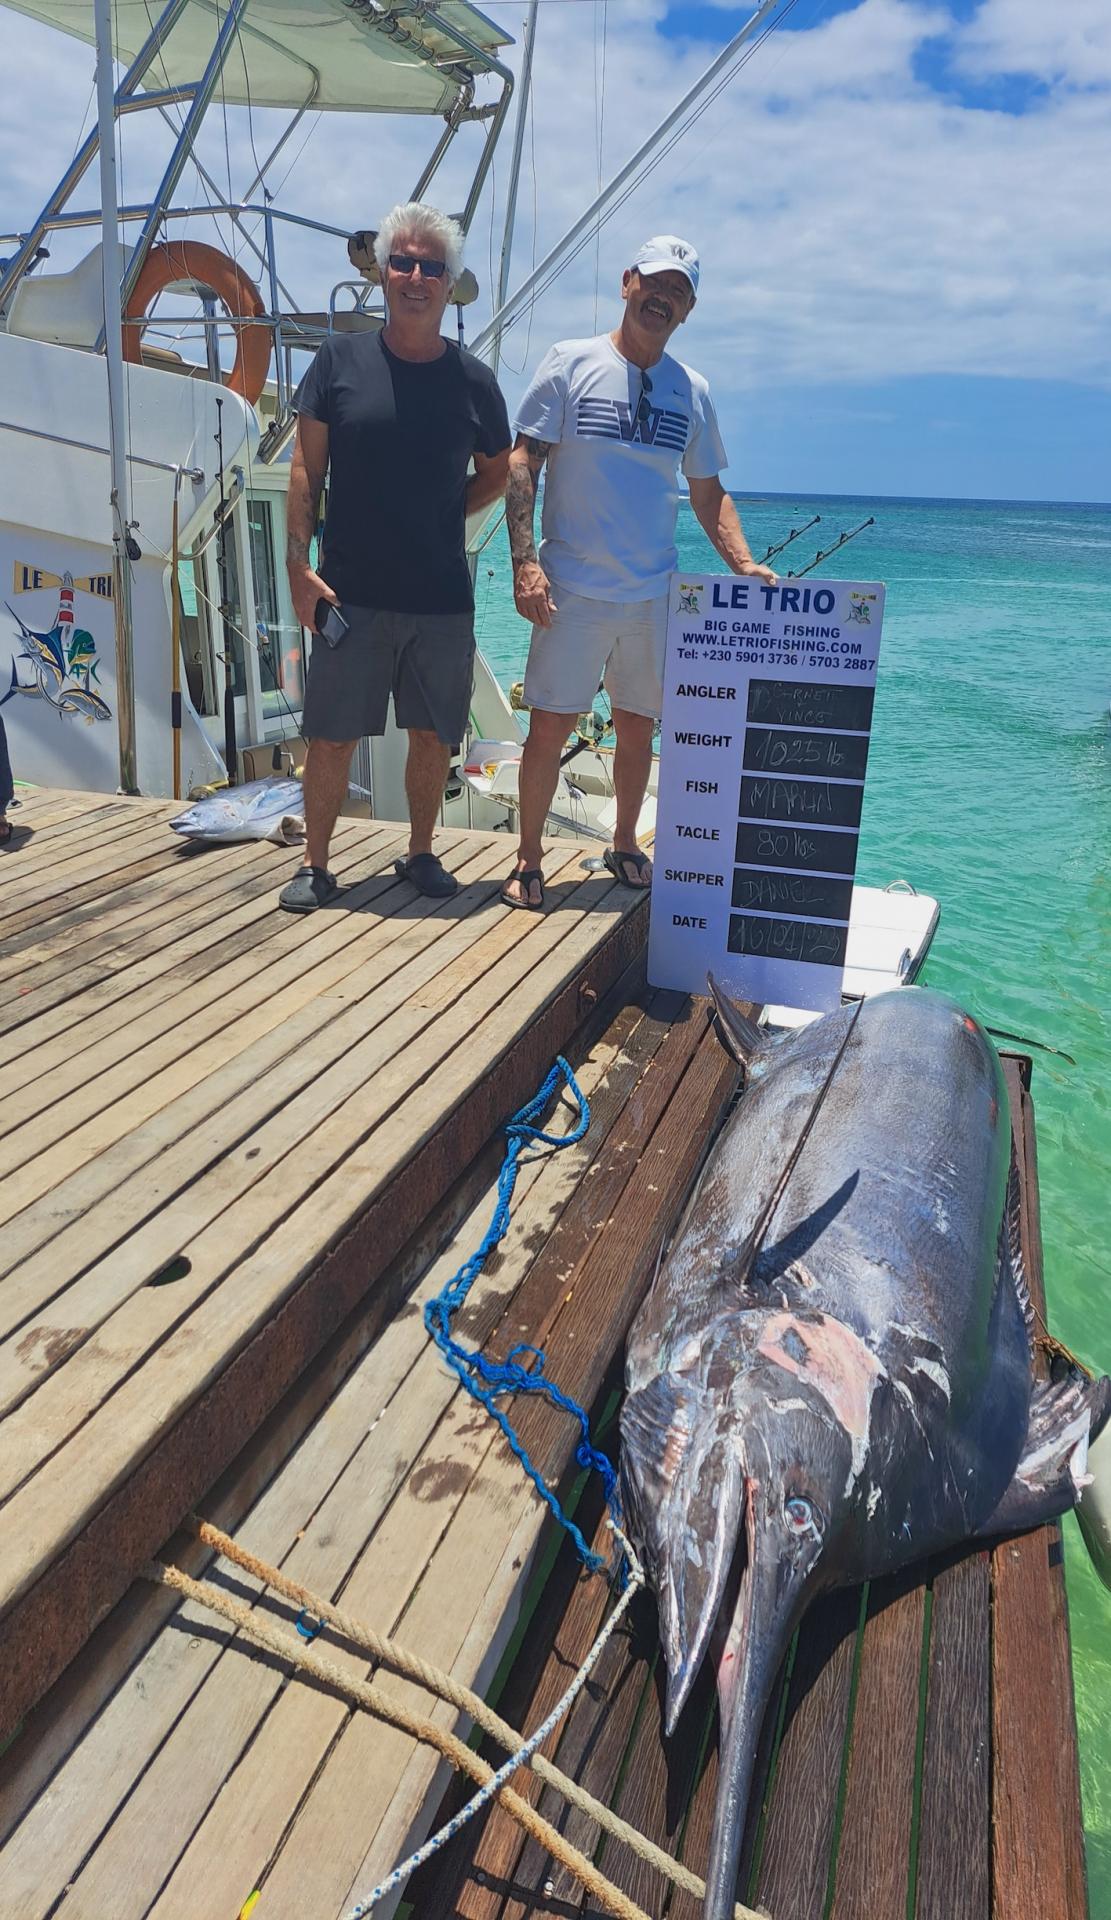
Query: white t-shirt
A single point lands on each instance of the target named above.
(611, 494)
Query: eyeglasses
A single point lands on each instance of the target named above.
(430, 269)
(644, 405)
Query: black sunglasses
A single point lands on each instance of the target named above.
(644, 407)
(430, 269)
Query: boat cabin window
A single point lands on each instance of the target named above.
(282, 662)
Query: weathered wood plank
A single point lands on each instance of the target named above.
(650, 1797)
(471, 1876)
(1037, 1834)
(954, 1840)
(795, 1859)
(53, 1121)
(595, 1739)
(873, 1860)
(271, 1333)
(254, 1803)
(102, 1196)
(166, 956)
(284, 1522)
(89, 920)
(220, 931)
(264, 1790)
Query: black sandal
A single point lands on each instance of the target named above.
(615, 863)
(531, 877)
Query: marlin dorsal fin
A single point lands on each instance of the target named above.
(742, 1036)
(740, 1271)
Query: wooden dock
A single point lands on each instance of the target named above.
(241, 1151)
(220, 1123)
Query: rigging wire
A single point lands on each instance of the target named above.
(531, 309)
(746, 53)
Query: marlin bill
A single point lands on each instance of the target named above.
(832, 1374)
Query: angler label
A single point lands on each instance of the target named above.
(770, 802)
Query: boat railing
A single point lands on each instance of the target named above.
(293, 329)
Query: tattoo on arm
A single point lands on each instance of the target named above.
(520, 496)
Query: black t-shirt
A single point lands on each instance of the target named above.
(400, 435)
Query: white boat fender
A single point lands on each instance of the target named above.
(1094, 1511)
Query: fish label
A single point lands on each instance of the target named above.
(773, 799)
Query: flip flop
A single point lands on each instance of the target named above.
(428, 875)
(7, 828)
(615, 863)
(310, 888)
(531, 876)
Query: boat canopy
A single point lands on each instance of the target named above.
(348, 55)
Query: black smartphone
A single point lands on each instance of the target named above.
(329, 623)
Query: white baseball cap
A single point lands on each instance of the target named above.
(666, 252)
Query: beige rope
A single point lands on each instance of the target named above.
(411, 1667)
(378, 1703)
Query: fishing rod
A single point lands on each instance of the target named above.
(837, 545)
(793, 535)
(231, 751)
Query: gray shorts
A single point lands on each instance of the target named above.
(426, 660)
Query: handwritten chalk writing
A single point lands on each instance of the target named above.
(819, 801)
(793, 847)
(771, 750)
(809, 941)
(810, 703)
(806, 893)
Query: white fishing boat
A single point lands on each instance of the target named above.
(148, 640)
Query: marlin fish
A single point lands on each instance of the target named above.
(832, 1374)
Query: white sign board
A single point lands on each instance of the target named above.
(767, 712)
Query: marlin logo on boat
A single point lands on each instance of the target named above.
(690, 600)
(58, 664)
(860, 610)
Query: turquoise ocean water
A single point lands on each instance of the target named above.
(989, 786)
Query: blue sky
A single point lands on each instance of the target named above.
(901, 206)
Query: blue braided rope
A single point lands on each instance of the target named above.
(485, 1379)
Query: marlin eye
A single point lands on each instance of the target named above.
(799, 1515)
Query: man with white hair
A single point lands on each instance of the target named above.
(615, 418)
(397, 416)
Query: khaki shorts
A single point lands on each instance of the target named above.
(620, 642)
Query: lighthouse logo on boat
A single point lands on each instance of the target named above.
(58, 663)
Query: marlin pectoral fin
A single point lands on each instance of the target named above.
(684, 1497)
(1067, 1412)
(742, 1036)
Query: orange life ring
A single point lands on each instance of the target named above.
(206, 267)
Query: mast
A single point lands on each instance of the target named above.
(111, 268)
(490, 337)
(525, 89)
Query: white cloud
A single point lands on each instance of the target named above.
(1070, 44)
(855, 224)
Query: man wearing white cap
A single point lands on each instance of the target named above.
(615, 418)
